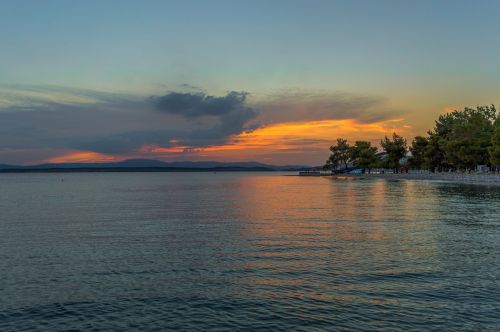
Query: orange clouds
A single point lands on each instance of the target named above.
(305, 141)
(316, 133)
(83, 157)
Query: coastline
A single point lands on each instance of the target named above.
(460, 178)
(135, 169)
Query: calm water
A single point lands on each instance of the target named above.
(246, 251)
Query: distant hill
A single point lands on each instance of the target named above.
(151, 165)
(5, 166)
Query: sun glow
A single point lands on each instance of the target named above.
(83, 157)
(296, 142)
(287, 139)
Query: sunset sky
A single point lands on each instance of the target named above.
(269, 81)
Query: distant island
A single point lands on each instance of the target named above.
(150, 165)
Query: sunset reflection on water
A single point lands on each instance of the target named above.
(328, 240)
(269, 251)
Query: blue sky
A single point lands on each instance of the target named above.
(420, 57)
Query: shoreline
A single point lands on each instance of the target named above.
(138, 169)
(460, 178)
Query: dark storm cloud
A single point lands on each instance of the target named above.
(194, 105)
(231, 111)
(229, 116)
(217, 134)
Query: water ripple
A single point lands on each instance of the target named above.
(249, 251)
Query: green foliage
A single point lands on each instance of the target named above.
(434, 156)
(340, 154)
(494, 149)
(363, 155)
(461, 139)
(418, 149)
(395, 149)
(330, 163)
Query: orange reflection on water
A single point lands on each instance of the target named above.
(306, 231)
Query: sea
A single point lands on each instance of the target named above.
(243, 251)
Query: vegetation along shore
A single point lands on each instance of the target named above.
(463, 146)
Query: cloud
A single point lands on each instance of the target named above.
(59, 118)
(228, 115)
(42, 120)
(128, 142)
(298, 105)
(64, 118)
(194, 105)
(39, 97)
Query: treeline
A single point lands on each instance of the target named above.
(460, 140)
(363, 155)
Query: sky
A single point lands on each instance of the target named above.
(269, 81)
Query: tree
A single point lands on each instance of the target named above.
(434, 156)
(363, 155)
(470, 137)
(494, 149)
(331, 163)
(418, 149)
(395, 149)
(460, 139)
(340, 153)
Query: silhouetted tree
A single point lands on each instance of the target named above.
(340, 153)
(434, 156)
(395, 149)
(418, 148)
(494, 149)
(460, 139)
(330, 163)
(363, 155)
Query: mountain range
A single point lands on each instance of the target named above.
(151, 165)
